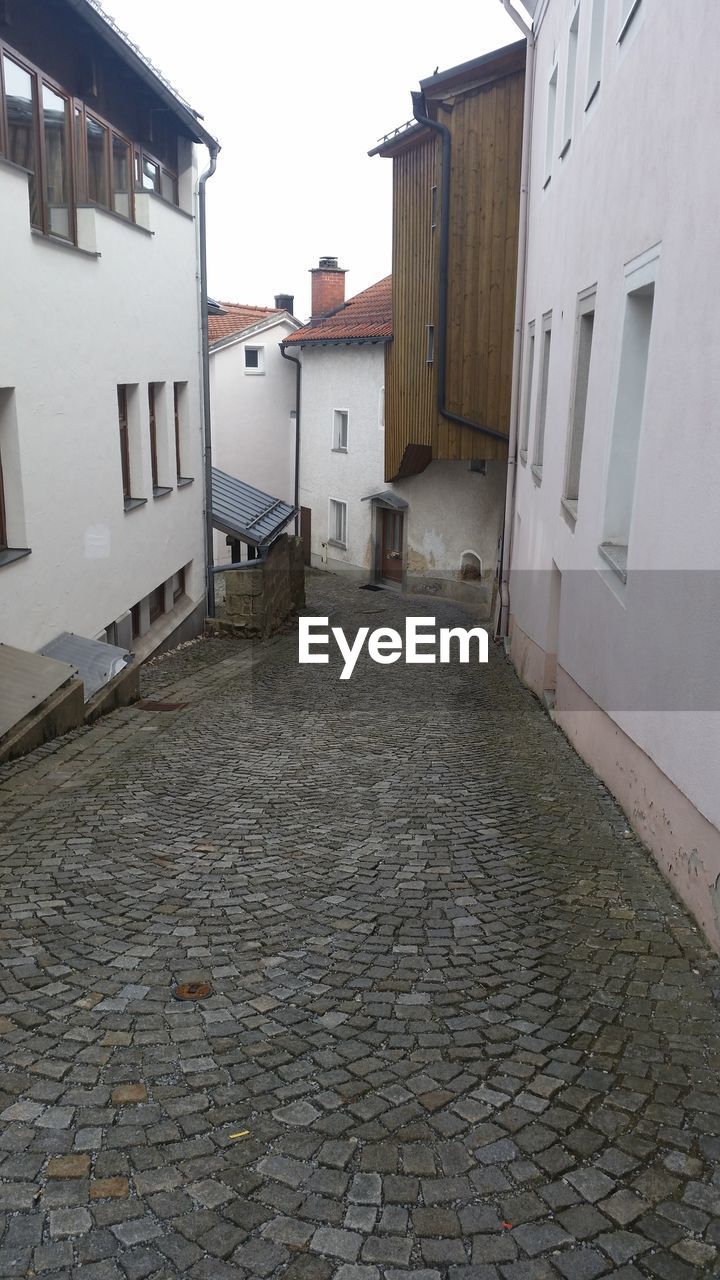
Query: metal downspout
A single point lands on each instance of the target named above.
(210, 578)
(509, 514)
(298, 387)
(418, 113)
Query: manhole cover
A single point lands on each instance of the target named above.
(147, 704)
(192, 990)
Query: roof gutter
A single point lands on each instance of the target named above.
(418, 100)
(298, 391)
(207, 438)
(520, 300)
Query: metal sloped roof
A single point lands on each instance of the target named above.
(245, 512)
(388, 499)
(26, 680)
(95, 661)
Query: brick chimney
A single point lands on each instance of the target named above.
(285, 302)
(328, 288)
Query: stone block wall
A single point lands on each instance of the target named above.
(260, 597)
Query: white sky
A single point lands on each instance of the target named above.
(297, 93)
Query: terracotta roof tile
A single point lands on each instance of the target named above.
(366, 316)
(238, 317)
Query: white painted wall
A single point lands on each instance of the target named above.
(637, 175)
(73, 326)
(253, 434)
(450, 509)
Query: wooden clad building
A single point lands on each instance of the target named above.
(455, 308)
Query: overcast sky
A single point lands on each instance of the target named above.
(297, 93)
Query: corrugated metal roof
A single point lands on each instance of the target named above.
(245, 512)
(388, 499)
(26, 680)
(94, 661)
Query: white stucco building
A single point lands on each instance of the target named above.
(101, 529)
(419, 532)
(615, 522)
(253, 392)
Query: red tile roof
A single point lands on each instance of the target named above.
(238, 317)
(367, 316)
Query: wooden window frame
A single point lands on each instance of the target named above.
(78, 186)
(152, 417)
(176, 411)
(124, 426)
(3, 514)
(156, 602)
(140, 155)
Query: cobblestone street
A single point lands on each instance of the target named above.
(459, 1027)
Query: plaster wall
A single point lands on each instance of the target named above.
(635, 186)
(73, 326)
(253, 433)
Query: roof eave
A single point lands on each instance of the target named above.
(338, 342)
(103, 25)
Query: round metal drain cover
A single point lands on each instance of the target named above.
(192, 990)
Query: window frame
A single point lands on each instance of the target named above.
(542, 397)
(152, 423)
(4, 543)
(570, 96)
(586, 307)
(260, 370)
(529, 380)
(596, 51)
(550, 124)
(332, 540)
(341, 417)
(123, 417)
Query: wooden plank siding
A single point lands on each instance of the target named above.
(485, 123)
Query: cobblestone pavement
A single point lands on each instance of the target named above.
(460, 1028)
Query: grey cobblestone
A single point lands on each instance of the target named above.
(459, 1029)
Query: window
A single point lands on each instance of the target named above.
(578, 405)
(3, 518)
(340, 430)
(628, 9)
(550, 124)
(338, 523)
(156, 600)
(597, 31)
(433, 208)
(122, 401)
(542, 397)
(21, 109)
(121, 195)
(153, 434)
(178, 391)
(381, 409)
(254, 359)
(37, 118)
(529, 370)
(570, 73)
(135, 620)
(430, 352)
(629, 405)
(59, 209)
(97, 141)
(178, 585)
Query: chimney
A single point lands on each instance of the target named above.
(284, 302)
(328, 288)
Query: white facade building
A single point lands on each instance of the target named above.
(615, 524)
(421, 532)
(252, 390)
(100, 348)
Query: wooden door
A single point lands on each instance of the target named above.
(391, 544)
(305, 518)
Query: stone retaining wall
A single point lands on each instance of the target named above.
(262, 596)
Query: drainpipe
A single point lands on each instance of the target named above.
(298, 386)
(509, 515)
(210, 580)
(419, 114)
